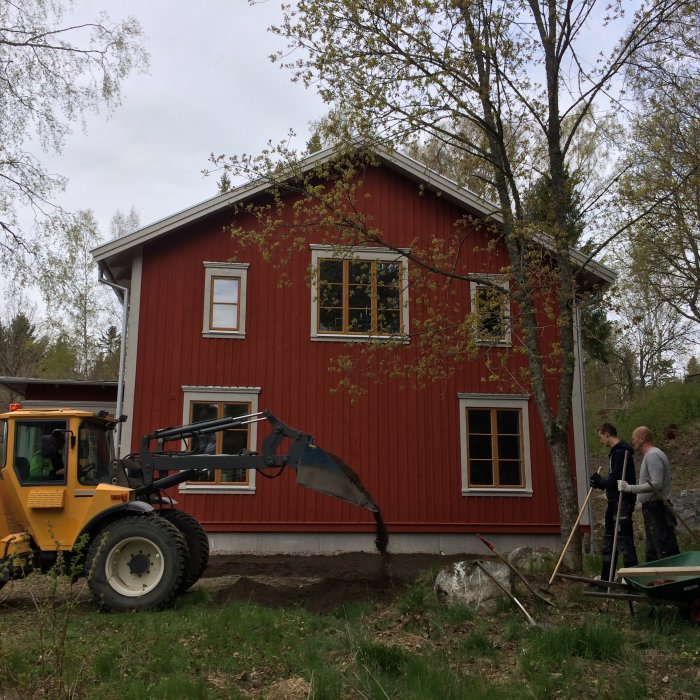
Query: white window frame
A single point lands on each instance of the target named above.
(221, 394)
(517, 401)
(232, 270)
(503, 282)
(322, 251)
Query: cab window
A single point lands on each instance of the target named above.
(3, 443)
(40, 451)
(94, 454)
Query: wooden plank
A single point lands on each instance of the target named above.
(658, 570)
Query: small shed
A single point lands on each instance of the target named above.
(90, 395)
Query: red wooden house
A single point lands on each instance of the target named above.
(211, 333)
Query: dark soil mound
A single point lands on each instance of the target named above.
(342, 579)
(322, 597)
(352, 565)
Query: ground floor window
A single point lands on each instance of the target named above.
(208, 403)
(495, 443)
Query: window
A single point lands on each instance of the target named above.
(40, 451)
(225, 299)
(207, 403)
(94, 455)
(491, 306)
(495, 444)
(360, 296)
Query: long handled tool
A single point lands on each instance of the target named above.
(668, 505)
(613, 553)
(573, 532)
(508, 593)
(515, 571)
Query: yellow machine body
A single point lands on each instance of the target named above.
(53, 510)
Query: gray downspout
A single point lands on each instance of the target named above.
(582, 399)
(122, 353)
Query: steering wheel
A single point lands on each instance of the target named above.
(82, 471)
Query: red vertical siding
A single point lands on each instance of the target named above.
(404, 443)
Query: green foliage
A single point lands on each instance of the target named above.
(594, 641)
(383, 658)
(60, 359)
(656, 408)
(21, 350)
(56, 69)
(415, 599)
(477, 644)
(106, 365)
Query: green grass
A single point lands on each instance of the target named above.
(656, 408)
(417, 649)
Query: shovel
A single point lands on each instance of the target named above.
(508, 593)
(515, 571)
(573, 532)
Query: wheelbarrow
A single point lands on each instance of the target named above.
(671, 581)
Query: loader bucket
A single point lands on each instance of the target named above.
(326, 473)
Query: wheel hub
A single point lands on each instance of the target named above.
(139, 564)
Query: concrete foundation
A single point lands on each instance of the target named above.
(336, 543)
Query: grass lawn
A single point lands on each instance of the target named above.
(58, 646)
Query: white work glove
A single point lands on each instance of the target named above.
(623, 486)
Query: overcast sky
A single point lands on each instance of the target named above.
(210, 88)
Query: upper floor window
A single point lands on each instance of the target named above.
(495, 443)
(491, 305)
(225, 299)
(360, 296)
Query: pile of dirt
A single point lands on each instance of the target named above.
(321, 583)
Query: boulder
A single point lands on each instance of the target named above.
(466, 584)
(533, 560)
(687, 505)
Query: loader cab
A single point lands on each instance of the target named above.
(56, 474)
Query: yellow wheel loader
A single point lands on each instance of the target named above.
(62, 491)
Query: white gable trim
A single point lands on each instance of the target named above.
(409, 167)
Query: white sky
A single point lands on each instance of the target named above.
(211, 88)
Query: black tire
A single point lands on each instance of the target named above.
(197, 544)
(136, 563)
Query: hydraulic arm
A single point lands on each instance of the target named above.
(316, 469)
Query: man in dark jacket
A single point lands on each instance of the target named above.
(621, 462)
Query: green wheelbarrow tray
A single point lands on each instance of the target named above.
(675, 586)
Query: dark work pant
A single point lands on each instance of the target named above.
(660, 529)
(625, 537)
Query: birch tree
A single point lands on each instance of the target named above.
(512, 72)
(52, 73)
(78, 306)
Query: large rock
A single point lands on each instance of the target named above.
(465, 583)
(533, 560)
(687, 505)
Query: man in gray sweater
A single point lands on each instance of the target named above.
(659, 522)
